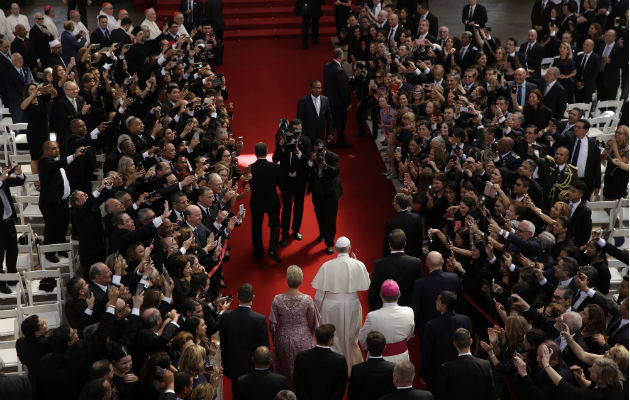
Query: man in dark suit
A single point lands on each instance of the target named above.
(588, 64)
(149, 339)
(242, 331)
(70, 44)
(465, 55)
(21, 44)
(33, 345)
(314, 112)
(200, 232)
(337, 90)
(101, 282)
(125, 233)
(533, 51)
(15, 387)
(120, 35)
(310, 10)
(611, 63)
(67, 107)
(40, 37)
(409, 222)
(323, 181)
(554, 95)
(54, 193)
(426, 290)
(320, 373)
(55, 57)
(214, 17)
(15, 78)
(465, 377)
(261, 383)
(584, 156)
(474, 14)
(423, 13)
(519, 88)
(177, 386)
(373, 378)
(266, 177)
(393, 31)
(404, 372)
(580, 213)
(80, 172)
(101, 35)
(292, 152)
(541, 14)
(437, 342)
(617, 330)
(192, 11)
(8, 217)
(402, 268)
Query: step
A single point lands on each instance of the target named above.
(258, 12)
(269, 33)
(273, 22)
(251, 3)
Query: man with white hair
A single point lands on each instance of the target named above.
(404, 372)
(79, 27)
(179, 19)
(554, 94)
(149, 22)
(395, 322)
(338, 282)
(107, 9)
(522, 238)
(14, 19)
(49, 15)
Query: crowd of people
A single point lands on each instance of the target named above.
(489, 261)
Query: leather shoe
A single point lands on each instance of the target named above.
(52, 257)
(284, 241)
(274, 256)
(5, 289)
(330, 250)
(319, 239)
(297, 236)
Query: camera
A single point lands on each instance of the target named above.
(510, 300)
(431, 190)
(86, 149)
(321, 153)
(153, 194)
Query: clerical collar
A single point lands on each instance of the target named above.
(464, 354)
(323, 347)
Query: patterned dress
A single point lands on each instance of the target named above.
(292, 322)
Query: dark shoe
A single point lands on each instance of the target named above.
(284, 241)
(330, 250)
(5, 289)
(52, 257)
(320, 238)
(63, 254)
(297, 236)
(274, 256)
(12, 283)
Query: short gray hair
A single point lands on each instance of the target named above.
(573, 321)
(405, 372)
(531, 228)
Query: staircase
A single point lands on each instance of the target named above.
(245, 19)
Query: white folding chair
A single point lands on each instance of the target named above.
(64, 262)
(584, 107)
(618, 234)
(602, 123)
(37, 296)
(6, 143)
(28, 209)
(25, 251)
(9, 356)
(13, 299)
(48, 312)
(23, 159)
(602, 213)
(9, 322)
(608, 105)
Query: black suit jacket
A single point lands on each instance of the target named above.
(555, 99)
(315, 126)
(437, 344)
(119, 35)
(329, 184)
(611, 69)
(63, 113)
(592, 171)
(55, 59)
(122, 238)
(10, 182)
(39, 41)
(98, 37)
(266, 177)
(408, 394)
(336, 86)
(214, 13)
(426, 290)
(433, 25)
(192, 19)
(51, 182)
(371, 379)
(534, 56)
(480, 16)
(148, 342)
(260, 385)
(242, 330)
(469, 56)
(587, 73)
(26, 49)
(473, 378)
(582, 224)
(402, 268)
(14, 387)
(411, 224)
(617, 335)
(319, 373)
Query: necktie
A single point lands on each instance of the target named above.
(462, 51)
(576, 152)
(605, 53)
(107, 34)
(571, 207)
(542, 9)
(74, 104)
(519, 94)
(529, 47)
(584, 61)
(317, 106)
(470, 13)
(391, 35)
(8, 211)
(22, 75)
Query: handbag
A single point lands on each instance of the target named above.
(301, 8)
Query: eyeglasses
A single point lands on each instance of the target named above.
(469, 76)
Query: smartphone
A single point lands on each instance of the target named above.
(241, 209)
(372, 83)
(166, 275)
(458, 225)
(421, 42)
(247, 170)
(140, 166)
(436, 114)
(407, 179)
(463, 109)
(153, 194)
(395, 87)
(11, 171)
(398, 150)
(159, 371)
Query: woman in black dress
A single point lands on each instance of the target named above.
(535, 112)
(564, 62)
(615, 178)
(35, 107)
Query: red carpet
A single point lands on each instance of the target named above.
(259, 18)
(265, 80)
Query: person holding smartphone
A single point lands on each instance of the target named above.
(11, 176)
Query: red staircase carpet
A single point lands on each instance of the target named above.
(265, 79)
(259, 18)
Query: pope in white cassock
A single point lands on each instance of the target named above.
(337, 283)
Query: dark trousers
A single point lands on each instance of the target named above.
(56, 217)
(585, 95)
(326, 214)
(314, 23)
(339, 121)
(293, 200)
(273, 214)
(341, 19)
(87, 260)
(8, 245)
(72, 4)
(607, 88)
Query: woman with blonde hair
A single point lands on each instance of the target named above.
(616, 174)
(292, 323)
(193, 361)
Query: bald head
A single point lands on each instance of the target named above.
(434, 260)
(193, 215)
(262, 357)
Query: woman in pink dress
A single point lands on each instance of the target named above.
(292, 322)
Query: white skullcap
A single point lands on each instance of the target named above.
(342, 242)
(54, 43)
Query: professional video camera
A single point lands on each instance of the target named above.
(284, 133)
(321, 154)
